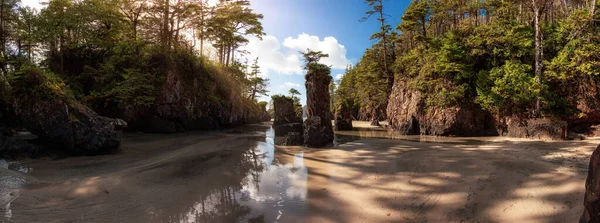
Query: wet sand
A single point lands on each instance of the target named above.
(228, 177)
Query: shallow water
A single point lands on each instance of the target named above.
(205, 177)
(240, 176)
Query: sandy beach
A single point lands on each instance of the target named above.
(242, 177)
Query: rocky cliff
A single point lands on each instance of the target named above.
(408, 114)
(38, 103)
(199, 100)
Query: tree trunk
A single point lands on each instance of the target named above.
(62, 54)
(539, 52)
(390, 77)
(165, 28)
(232, 54)
(228, 56)
(375, 118)
(201, 42)
(3, 56)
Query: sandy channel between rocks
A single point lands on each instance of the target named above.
(227, 177)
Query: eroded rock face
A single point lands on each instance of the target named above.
(537, 128)
(290, 139)
(318, 131)
(343, 118)
(183, 104)
(69, 126)
(282, 130)
(591, 201)
(343, 124)
(405, 108)
(285, 112)
(408, 115)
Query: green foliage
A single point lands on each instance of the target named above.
(464, 52)
(128, 55)
(258, 85)
(32, 83)
(509, 88)
(137, 89)
(293, 92)
(311, 59)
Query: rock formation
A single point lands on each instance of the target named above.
(10, 146)
(343, 118)
(70, 126)
(284, 129)
(41, 107)
(190, 102)
(536, 128)
(409, 115)
(318, 131)
(285, 113)
(287, 123)
(591, 200)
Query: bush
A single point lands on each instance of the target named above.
(32, 83)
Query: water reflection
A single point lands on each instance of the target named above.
(273, 184)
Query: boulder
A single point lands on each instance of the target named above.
(70, 126)
(290, 139)
(317, 133)
(284, 110)
(12, 148)
(282, 130)
(537, 129)
(343, 124)
(591, 201)
(318, 130)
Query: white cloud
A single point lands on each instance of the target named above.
(290, 85)
(339, 76)
(337, 52)
(33, 4)
(270, 56)
(285, 58)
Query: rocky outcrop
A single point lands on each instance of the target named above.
(591, 200)
(192, 99)
(584, 95)
(536, 128)
(40, 105)
(408, 115)
(70, 126)
(318, 131)
(285, 111)
(11, 147)
(286, 124)
(343, 124)
(290, 139)
(343, 117)
(282, 130)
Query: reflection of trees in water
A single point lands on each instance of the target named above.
(220, 199)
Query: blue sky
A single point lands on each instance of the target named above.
(303, 21)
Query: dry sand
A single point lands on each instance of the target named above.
(221, 177)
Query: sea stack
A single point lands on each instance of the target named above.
(318, 130)
(343, 118)
(287, 124)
